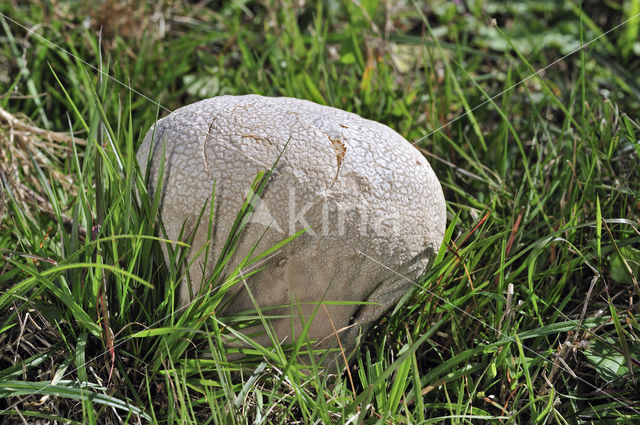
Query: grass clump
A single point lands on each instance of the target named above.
(529, 314)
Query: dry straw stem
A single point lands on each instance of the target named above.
(25, 148)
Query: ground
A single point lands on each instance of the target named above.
(527, 111)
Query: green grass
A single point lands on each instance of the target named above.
(529, 314)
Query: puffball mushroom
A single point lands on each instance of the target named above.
(373, 208)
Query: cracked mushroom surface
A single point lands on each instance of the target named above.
(373, 207)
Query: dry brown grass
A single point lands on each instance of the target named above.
(28, 152)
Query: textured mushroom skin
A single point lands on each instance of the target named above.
(367, 196)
